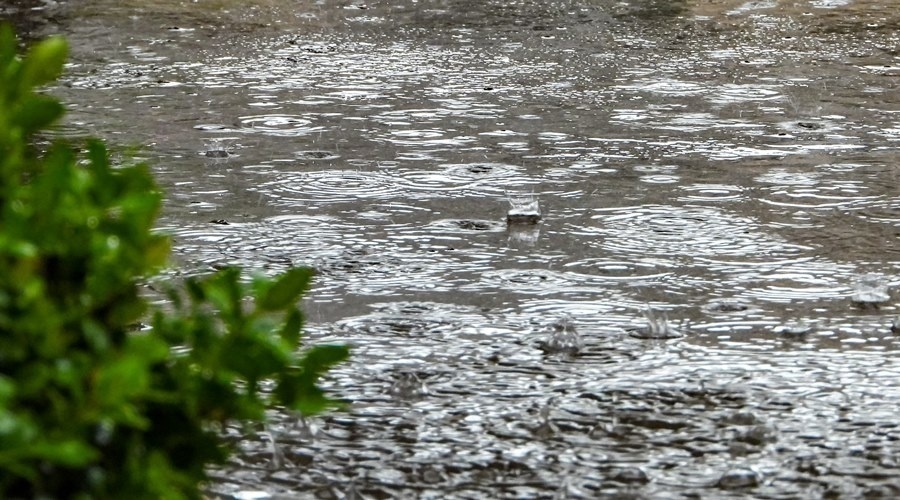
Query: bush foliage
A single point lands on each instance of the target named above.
(90, 407)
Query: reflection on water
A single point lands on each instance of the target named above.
(691, 294)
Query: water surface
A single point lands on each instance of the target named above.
(730, 164)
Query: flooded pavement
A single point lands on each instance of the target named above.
(705, 308)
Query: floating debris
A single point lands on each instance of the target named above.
(524, 209)
(658, 327)
(564, 339)
(870, 290)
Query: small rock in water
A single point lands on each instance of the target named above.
(895, 325)
(870, 290)
(739, 478)
(524, 209)
(564, 338)
(657, 327)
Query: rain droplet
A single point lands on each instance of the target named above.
(524, 209)
(564, 338)
(870, 290)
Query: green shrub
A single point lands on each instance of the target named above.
(89, 407)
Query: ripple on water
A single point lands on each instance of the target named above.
(316, 154)
(667, 86)
(467, 225)
(702, 192)
(450, 400)
(278, 125)
(427, 139)
(814, 189)
(291, 188)
(405, 319)
(332, 186)
(665, 230)
(739, 93)
(426, 337)
(279, 242)
(467, 179)
(483, 170)
(811, 126)
(540, 281)
(388, 269)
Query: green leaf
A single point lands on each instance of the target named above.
(287, 289)
(118, 385)
(7, 390)
(88, 407)
(44, 62)
(70, 452)
(7, 46)
(290, 331)
(223, 290)
(252, 358)
(37, 112)
(297, 388)
(319, 359)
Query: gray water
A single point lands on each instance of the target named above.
(731, 166)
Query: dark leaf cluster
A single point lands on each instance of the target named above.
(90, 407)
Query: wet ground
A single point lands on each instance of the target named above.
(730, 166)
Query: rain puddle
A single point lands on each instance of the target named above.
(627, 249)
